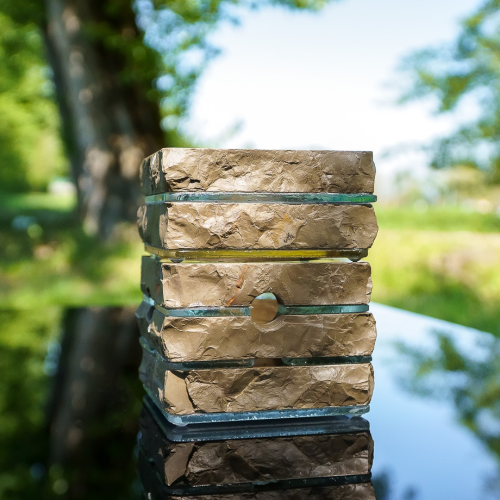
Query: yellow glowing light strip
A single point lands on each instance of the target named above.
(353, 254)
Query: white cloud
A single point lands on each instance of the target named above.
(299, 80)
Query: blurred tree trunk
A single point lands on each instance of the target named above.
(110, 117)
(111, 121)
(104, 77)
(95, 403)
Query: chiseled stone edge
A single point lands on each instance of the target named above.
(289, 457)
(243, 170)
(156, 489)
(225, 338)
(220, 284)
(256, 226)
(256, 389)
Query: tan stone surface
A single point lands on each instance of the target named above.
(256, 389)
(264, 459)
(156, 490)
(237, 284)
(256, 226)
(223, 338)
(286, 458)
(363, 491)
(244, 170)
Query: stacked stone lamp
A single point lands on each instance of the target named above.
(314, 459)
(255, 314)
(249, 312)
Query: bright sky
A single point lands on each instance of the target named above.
(299, 80)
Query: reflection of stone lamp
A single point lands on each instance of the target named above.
(314, 459)
(248, 313)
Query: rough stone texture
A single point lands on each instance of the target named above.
(223, 338)
(363, 491)
(265, 459)
(237, 284)
(155, 489)
(173, 226)
(185, 169)
(256, 389)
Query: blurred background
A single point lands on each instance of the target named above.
(87, 89)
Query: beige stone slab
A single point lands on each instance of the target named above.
(156, 489)
(363, 491)
(256, 389)
(237, 461)
(221, 284)
(244, 170)
(288, 458)
(238, 337)
(256, 226)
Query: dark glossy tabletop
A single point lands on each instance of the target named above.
(422, 450)
(431, 379)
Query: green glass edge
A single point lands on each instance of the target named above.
(196, 418)
(286, 198)
(194, 312)
(249, 362)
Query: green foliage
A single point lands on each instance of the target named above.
(470, 381)
(47, 259)
(437, 218)
(466, 71)
(30, 147)
(25, 12)
(164, 60)
(24, 340)
(178, 30)
(446, 275)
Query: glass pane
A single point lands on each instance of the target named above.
(288, 198)
(264, 308)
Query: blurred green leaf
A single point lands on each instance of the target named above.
(466, 70)
(30, 147)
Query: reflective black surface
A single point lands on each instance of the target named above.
(434, 419)
(423, 447)
(434, 414)
(307, 458)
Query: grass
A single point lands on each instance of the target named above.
(443, 262)
(452, 276)
(439, 218)
(68, 268)
(34, 202)
(47, 259)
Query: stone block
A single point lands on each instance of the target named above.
(256, 389)
(256, 226)
(244, 170)
(221, 284)
(184, 339)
